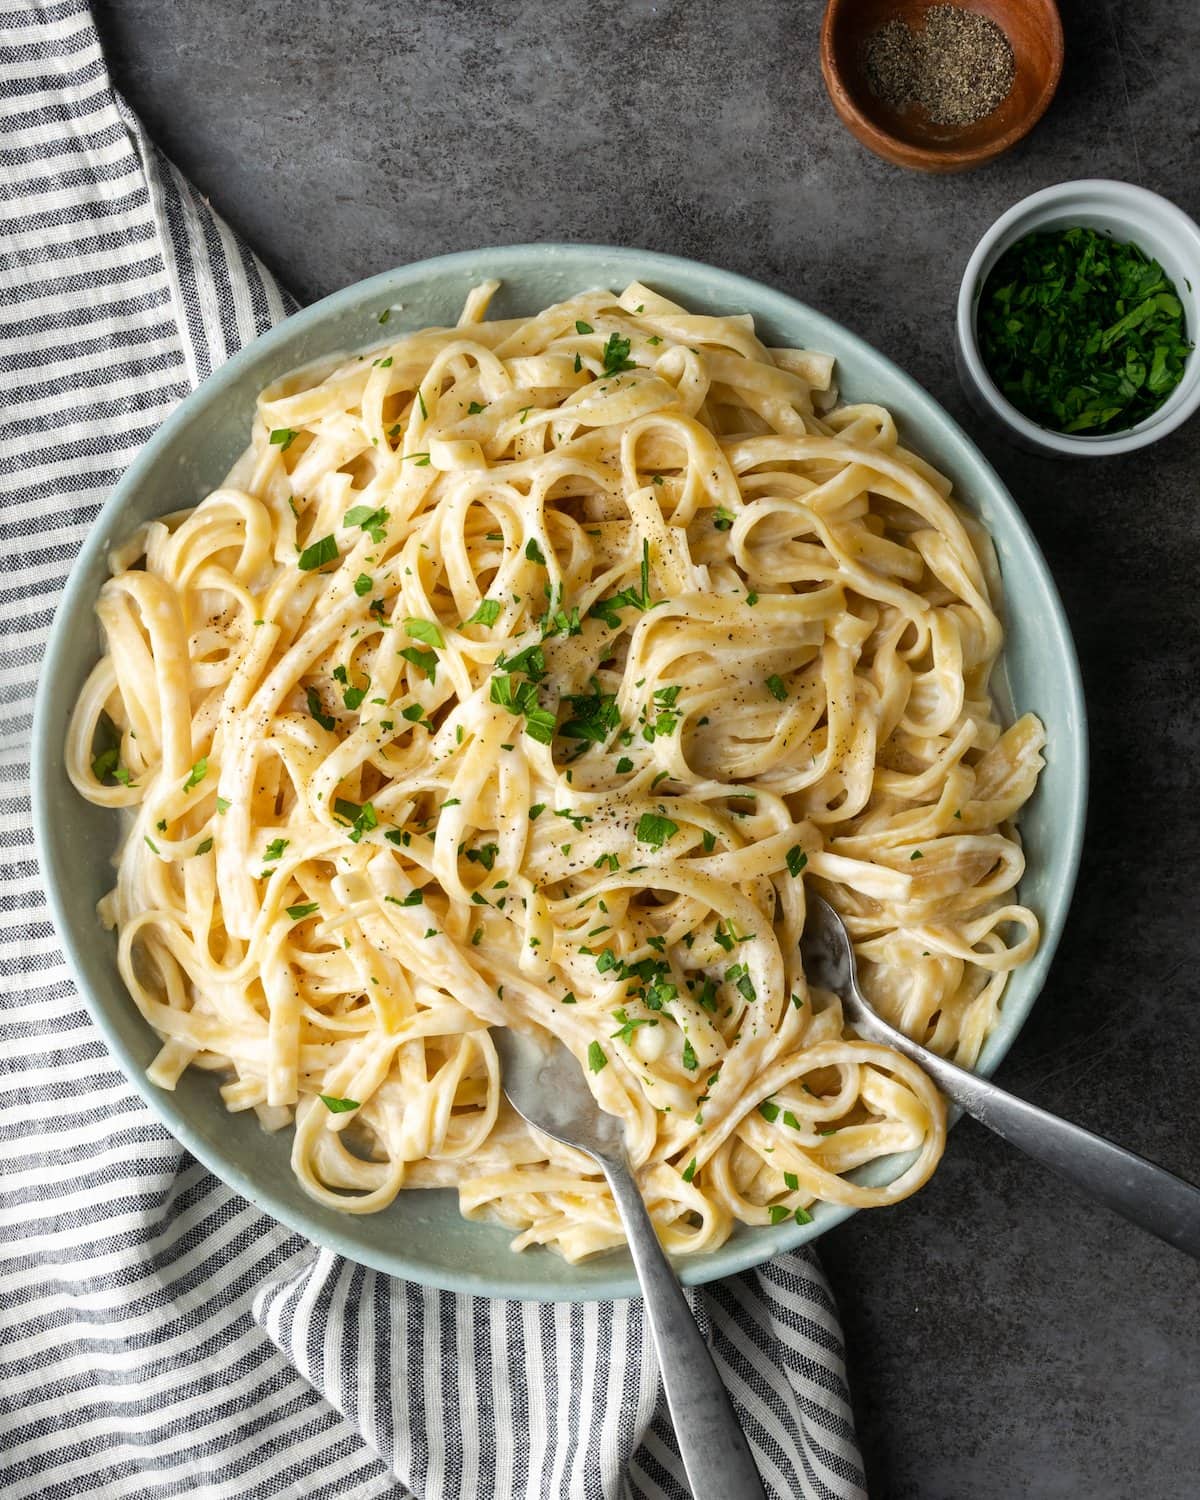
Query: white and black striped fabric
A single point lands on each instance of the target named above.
(158, 1336)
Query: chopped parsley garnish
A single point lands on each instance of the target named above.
(317, 554)
(710, 841)
(204, 846)
(916, 854)
(414, 898)
(655, 830)
(802, 1216)
(576, 820)
(383, 364)
(689, 1171)
(384, 315)
(326, 721)
(727, 937)
(777, 687)
(223, 805)
(779, 1212)
(1082, 333)
(690, 1060)
(624, 765)
(792, 1182)
(274, 849)
(420, 460)
(426, 660)
(298, 913)
(769, 1111)
(518, 697)
(666, 719)
(531, 661)
(424, 630)
(485, 855)
(539, 725)
(476, 407)
(629, 1024)
(606, 609)
(412, 713)
(363, 585)
(487, 613)
(337, 1106)
(616, 355)
(353, 696)
(561, 622)
(197, 774)
(739, 976)
(150, 842)
(597, 1059)
(536, 811)
(284, 437)
(723, 519)
(371, 521)
(362, 819)
(421, 404)
(582, 327)
(108, 763)
(796, 860)
(534, 553)
(594, 716)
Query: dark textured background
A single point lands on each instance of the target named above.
(1006, 1337)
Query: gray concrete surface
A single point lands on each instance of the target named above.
(1006, 1338)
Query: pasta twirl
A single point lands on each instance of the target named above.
(525, 673)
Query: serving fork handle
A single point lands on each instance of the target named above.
(712, 1445)
(1148, 1195)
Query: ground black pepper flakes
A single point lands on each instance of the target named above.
(958, 66)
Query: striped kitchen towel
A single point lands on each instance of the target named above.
(158, 1335)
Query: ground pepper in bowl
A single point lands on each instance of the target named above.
(958, 66)
(1080, 332)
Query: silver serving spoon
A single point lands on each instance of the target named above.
(545, 1084)
(1159, 1201)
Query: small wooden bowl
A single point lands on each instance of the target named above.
(910, 138)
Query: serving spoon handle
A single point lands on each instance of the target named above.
(1157, 1200)
(714, 1450)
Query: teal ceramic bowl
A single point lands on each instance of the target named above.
(422, 1236)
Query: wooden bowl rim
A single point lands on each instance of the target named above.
(905, 153)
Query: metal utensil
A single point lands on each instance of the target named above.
(1159, 1201)
(544, 1083)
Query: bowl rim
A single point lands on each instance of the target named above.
(767, 1242)
(1029, 213)
(896, 149)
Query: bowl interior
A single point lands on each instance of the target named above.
(422, 1236)
(1033, 29)
(1128, 214)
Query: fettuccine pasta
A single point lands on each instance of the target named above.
(526, 673)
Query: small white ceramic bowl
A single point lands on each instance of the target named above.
(1128, 213)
